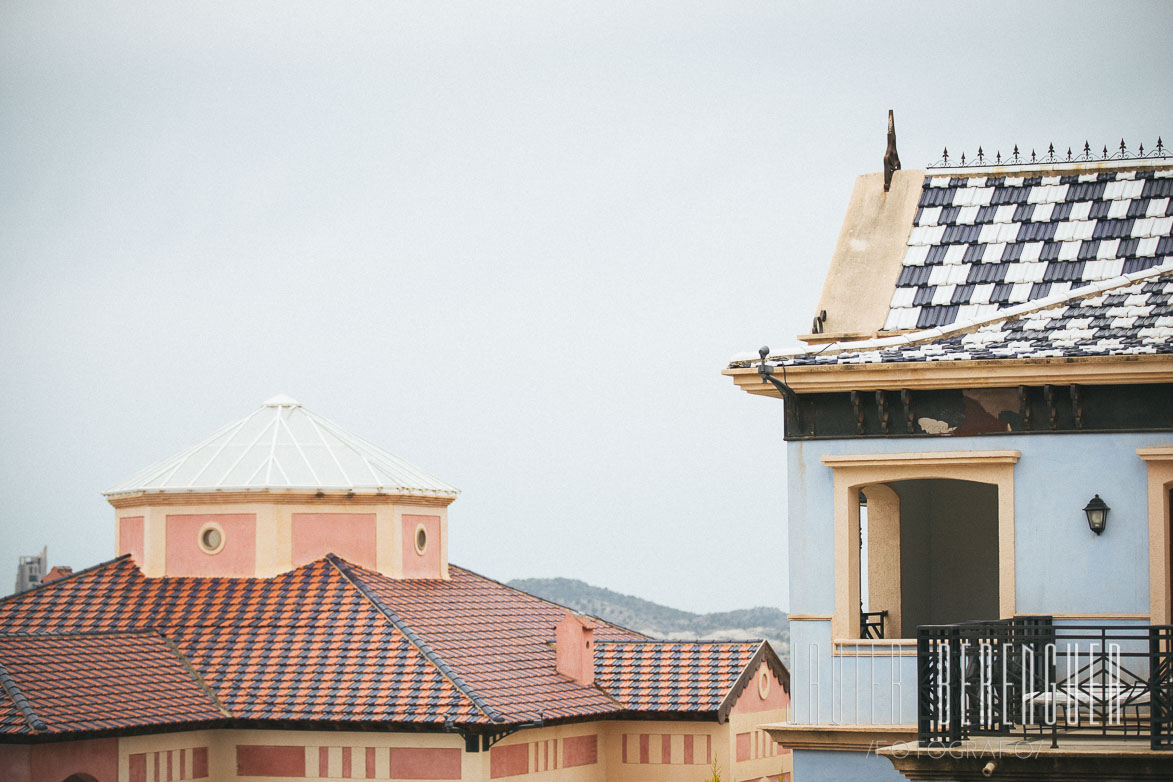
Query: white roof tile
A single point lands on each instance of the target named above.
(283, 446)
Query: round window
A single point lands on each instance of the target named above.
(764, 683)
(421, 539)
(211, 538)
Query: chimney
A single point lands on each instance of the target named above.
(574, 639)
(58, 571)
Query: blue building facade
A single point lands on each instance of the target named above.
(989, 375)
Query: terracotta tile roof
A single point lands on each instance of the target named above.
(305, 645)
(332, 642)
(664, 676)
(499, 638)
(82, 682)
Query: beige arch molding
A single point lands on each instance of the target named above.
(1160, 464)
(855, 472)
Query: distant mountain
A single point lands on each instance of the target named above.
(659, 621)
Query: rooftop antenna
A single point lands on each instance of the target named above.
(891, 156)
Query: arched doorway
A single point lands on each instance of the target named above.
(80, 778)
(931, 552)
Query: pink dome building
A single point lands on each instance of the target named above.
(282, 607)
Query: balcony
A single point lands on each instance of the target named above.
(1032, 678)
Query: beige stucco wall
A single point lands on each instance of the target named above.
(542, 746)
(867, 258)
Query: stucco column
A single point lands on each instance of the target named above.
(884, 555)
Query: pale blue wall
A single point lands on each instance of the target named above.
(817, 766)
(1061, 567)
(829, 689)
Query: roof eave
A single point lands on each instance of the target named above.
(982, 373)
(216, 495)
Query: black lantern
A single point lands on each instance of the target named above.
(1097, 514)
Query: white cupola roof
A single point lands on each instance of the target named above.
(282, 446)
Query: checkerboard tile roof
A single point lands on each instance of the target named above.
(981, 243)
(665, 676)
(332, 642)
(1119, 317)
(78, 682)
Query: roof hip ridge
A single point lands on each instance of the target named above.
(21, 701)
(207, 688)
(929, 336)
(414, 639)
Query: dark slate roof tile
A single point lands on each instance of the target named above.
(1010, 195)
(934, 316)
(1063, 271)
(1061, 212)
(987, 272)
(1140, 264)
(914, 276)
(1157, 188)
(1036, 232)
(985, 215)
(1099, 210)
(1088, 249)
(1086, 191)
(1023, 213)
(962, 294)
(923, 297)
(1138, 207)
(1112, 229)
(936, 254)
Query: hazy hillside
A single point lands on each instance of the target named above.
(661, 621)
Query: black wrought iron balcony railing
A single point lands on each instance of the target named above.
(871, 624)
(1039, 678)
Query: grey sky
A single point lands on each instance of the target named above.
(513, 243)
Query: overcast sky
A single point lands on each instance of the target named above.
(513, 243)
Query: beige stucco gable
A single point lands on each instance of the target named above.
(868, 256)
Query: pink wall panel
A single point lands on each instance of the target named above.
(426, 565)
(237, 558)
(580, 751)
(55, 762)
(425, 763)
(130, 537)
(257, 760)
(508, 761)
(138, 767)
(199, 762)
(14, 762)
(743, 744)
(348, 535)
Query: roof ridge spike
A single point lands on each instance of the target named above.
(414, 639)
(21, 701)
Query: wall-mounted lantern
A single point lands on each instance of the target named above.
(1097, 514)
